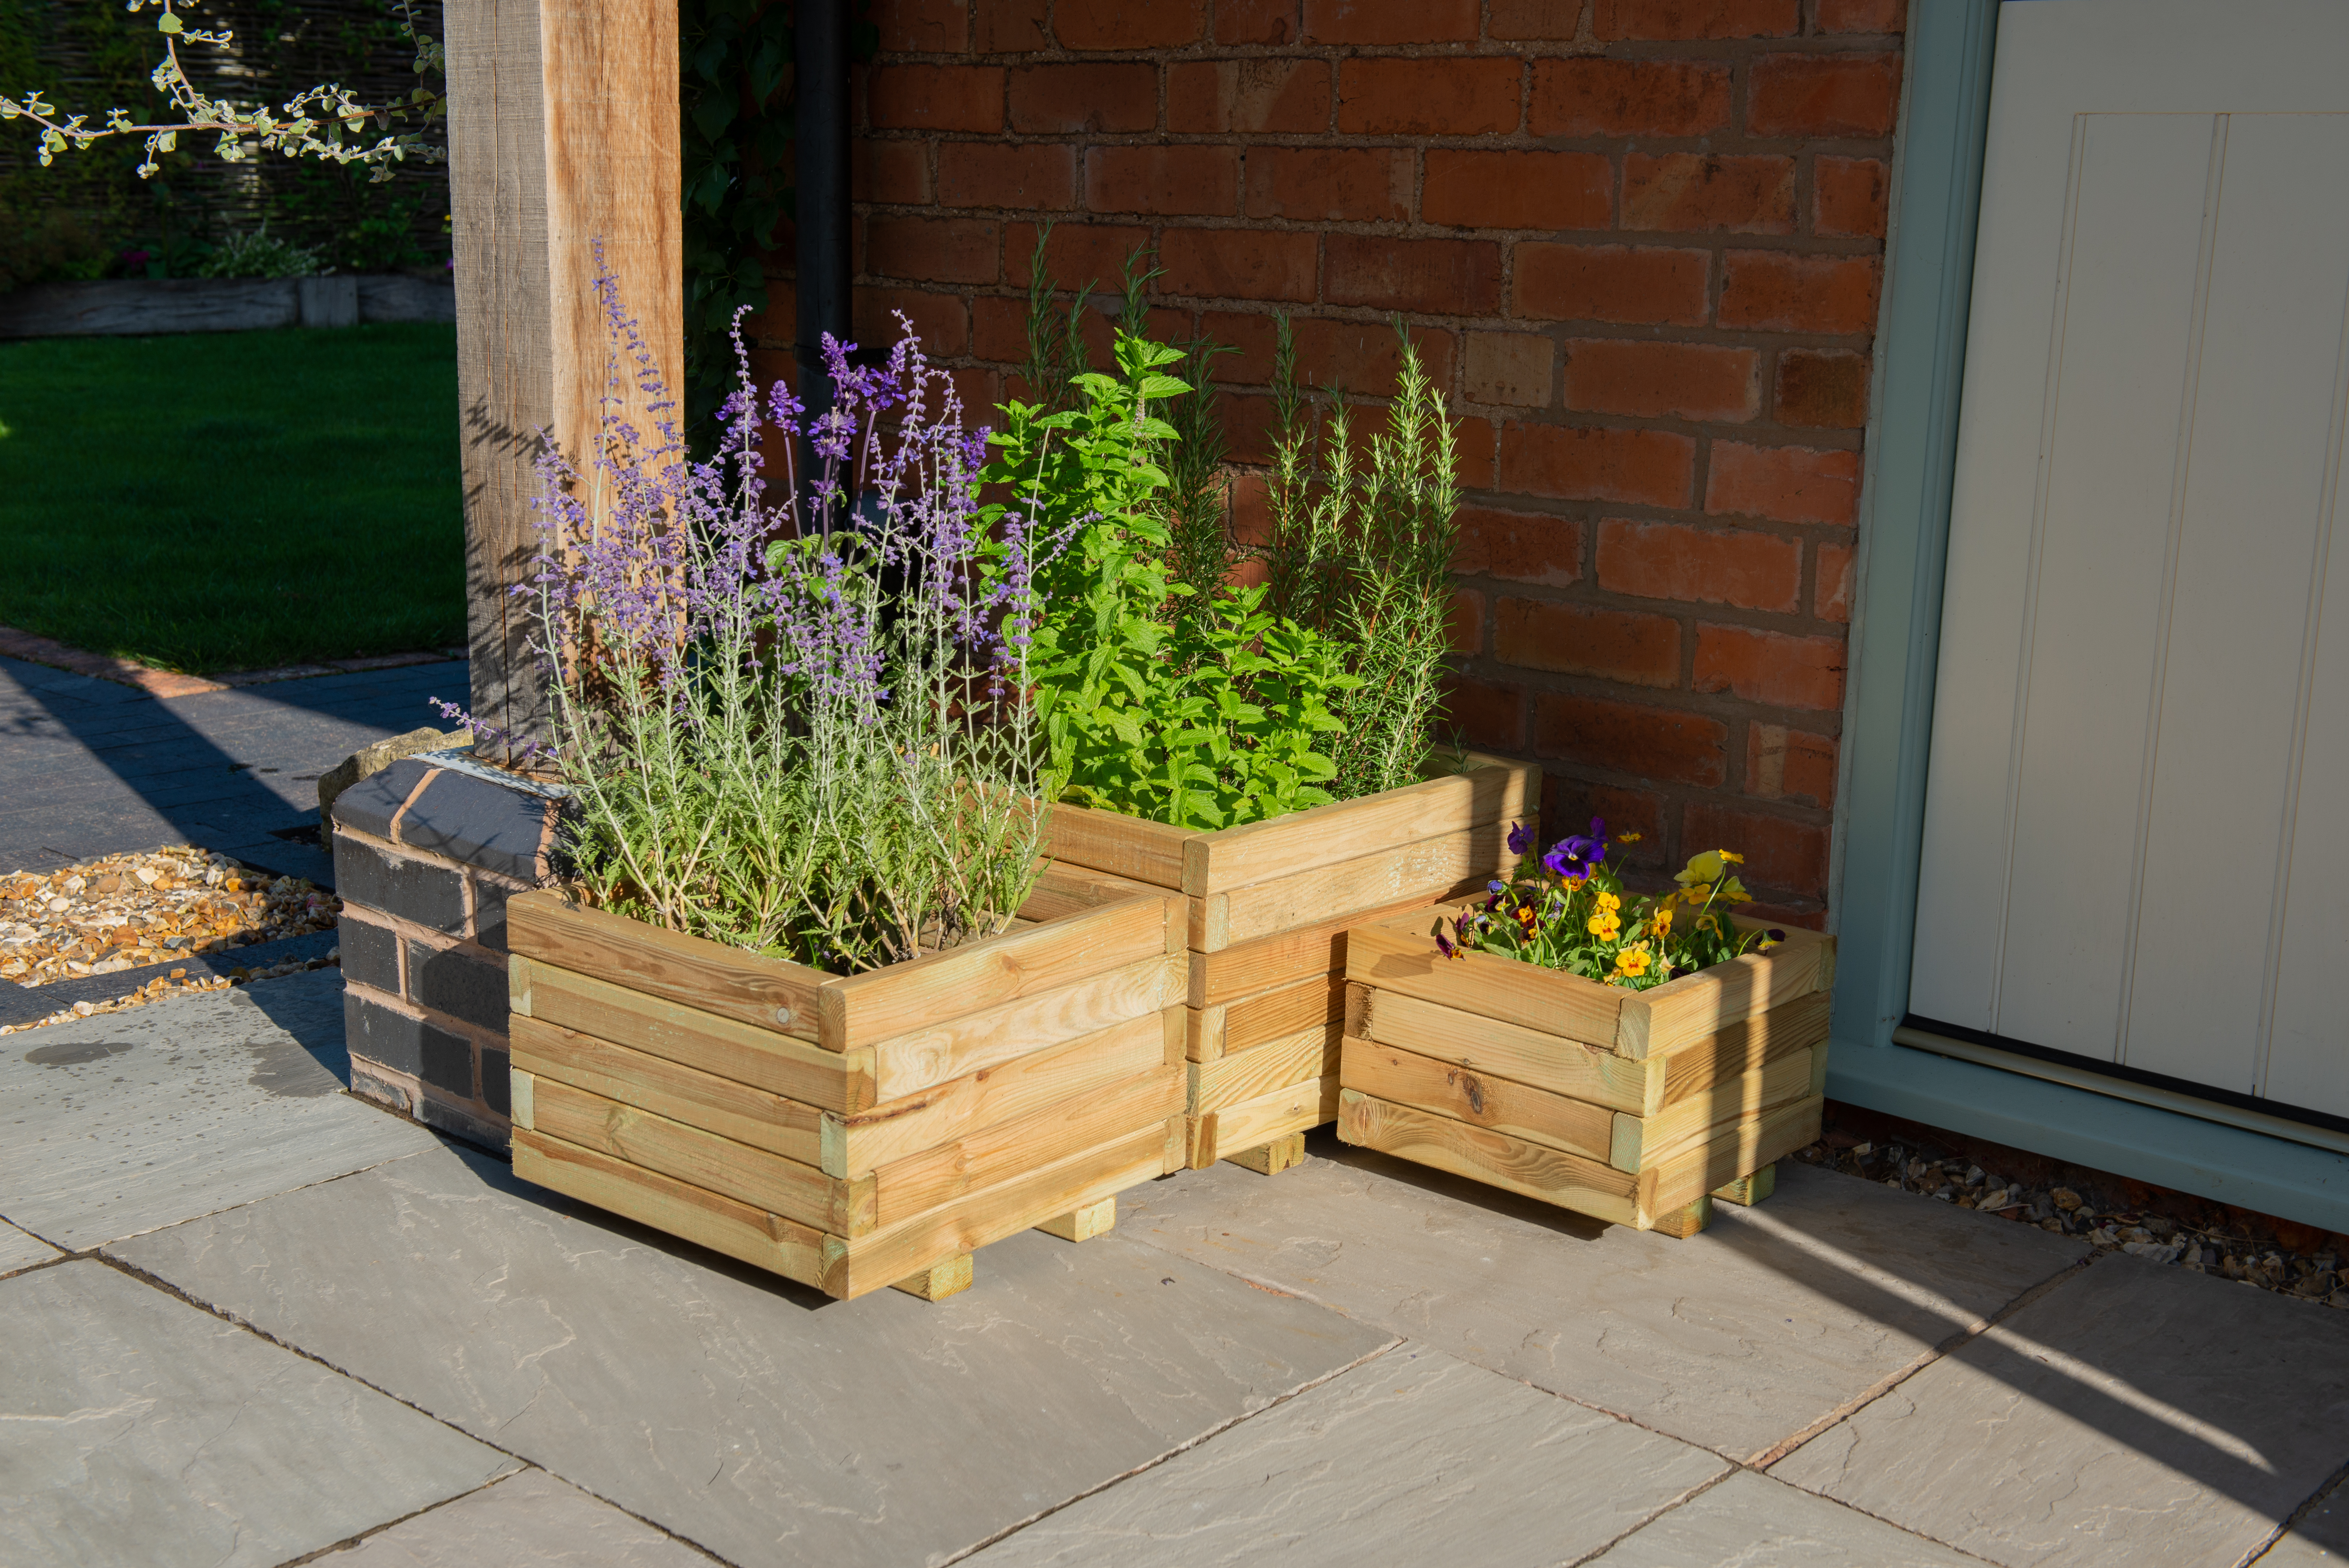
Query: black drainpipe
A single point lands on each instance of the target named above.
(821, 201)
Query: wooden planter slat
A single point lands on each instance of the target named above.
(1268, 905)
(1000, 1084)
(939, 1117)
(552, 1055)
(698, 1038)
(1631, 1106)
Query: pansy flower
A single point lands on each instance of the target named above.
(1576, 856)
(1521, 837)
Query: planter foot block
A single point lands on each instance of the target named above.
(1750, 1190)
(1273, 1158)
(1683, 1223)
(938, 1281)
(1083, 1224)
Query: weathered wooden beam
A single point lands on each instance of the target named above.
(562, 134)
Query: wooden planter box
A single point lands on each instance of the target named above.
(1633, 1107)
(851, 1133)
(1266, 906)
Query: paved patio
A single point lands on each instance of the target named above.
(252, 1319)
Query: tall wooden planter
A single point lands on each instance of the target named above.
(1265, 909)
(1633, 1107)
(851, 1133)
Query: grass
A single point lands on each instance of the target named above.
(233, 500)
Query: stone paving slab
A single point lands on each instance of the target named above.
(1410, 1457)
(124, 1122)
(752, 1417)
(527, 1520)
(20, 1251)
(1752, 1522)
(1734, 1339)
(2322, 1538)
(135, 1428)
(2134, 1414)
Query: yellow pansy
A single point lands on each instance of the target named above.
(1660, 923)
(1608, 901)
(1632, 961)
(1605, 925)
(1701, 868)
(1732, 856)
(1698, 893)
(1734, 892)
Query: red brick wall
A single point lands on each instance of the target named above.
(1640, 242)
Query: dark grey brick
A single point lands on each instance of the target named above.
(480, 823)
(432, 896)
(369, 805)
(407, 1044)
(458, 985)
(370, 956)
(497, 1083)
(489, 913)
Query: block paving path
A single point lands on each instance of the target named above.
(253, 1320)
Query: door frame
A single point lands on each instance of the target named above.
(1903, 543)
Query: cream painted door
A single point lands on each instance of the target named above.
(2136, 824)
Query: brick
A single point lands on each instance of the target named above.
(1779, 292)
(1079, 255)
(1642, 377)
(1848, 196)
(1392, 21)
(1632, 285)
(1578, 640)
(1365, 356)
(407, 1044)
(1831, 583)
(1518, 189)
(998, 328)
(497, 1081)
(1079, 97)
(934, 250)
(487, 925)
(922, 27)
(1250, 336)
(1238, 263)
(450, 981)
(1217, 97)
(1822, 95)
(1780, 853)
(1617, 19)
(1531, 21)
(1474, 441)
(1452, 277)
(1487, 715)
(1257, 21)
(1249, 424)
(934, 98)
(1783, 764)
(1517, 546)
(1785, 484)
(370, 953)
(1570, 804)
(1659, 743)
(1029, 176)
(942, 322)
(1009, 26)
(1709, 565)
(1821, 388)
(430, 895)
(1459, 95)
(1574, 462)
(1186, 181)
(1466, 621)
(1593, 96)
(1775, 667)
(1696, 193)
(1131, 24)
(1320, 185)
(1514, 368)
(1863, 15)
(892, 173)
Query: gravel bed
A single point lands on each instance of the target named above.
(2217, 1246)
(120, 912)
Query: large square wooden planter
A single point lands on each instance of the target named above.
(1633, 1107)
(851, 1133)
(1265, 909)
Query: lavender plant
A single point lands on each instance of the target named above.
(764, 747)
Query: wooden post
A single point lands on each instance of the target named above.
(562, 133)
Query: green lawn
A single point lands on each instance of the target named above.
(235, 499)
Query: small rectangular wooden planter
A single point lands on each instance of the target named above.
(1633, 1107)
(854, 1131)
(1266, 906)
